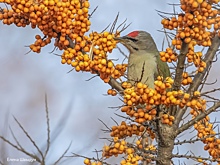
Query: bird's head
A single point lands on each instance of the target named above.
(138, 41)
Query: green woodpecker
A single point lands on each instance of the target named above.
(144, 64)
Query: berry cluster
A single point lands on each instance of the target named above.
(195, 57)
(142, 143)
(90, 54)
(193, 28)
(186, 79)
(104, 41)
(205, 129)
(112, 92)
(141, 94)
(207, 134)
(117, 147)
(131, 158)
(88, 162)
(63, 20)
(120, 147)
(168, 56)
(141, 114)
(167, 119)
(125, 130)
(67, 22)
(194, 23)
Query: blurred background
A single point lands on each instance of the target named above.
(74, 104)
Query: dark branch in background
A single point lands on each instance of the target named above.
(123, 54)
(209, 56)
(48, 127)
(29, 137)
(3, 147)
(41, 159)
(63, 155)
(213, 99)
(20, 149)
(59, 126)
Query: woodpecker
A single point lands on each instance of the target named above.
(144, 64)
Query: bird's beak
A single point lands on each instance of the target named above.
(120, 39)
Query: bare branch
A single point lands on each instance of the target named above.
(21, 149)
(194, 140)
(104, 124)
(62, 156)
(193, 157)
(210, 91)
(90, 15)
(14, 137)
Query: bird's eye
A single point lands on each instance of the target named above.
(133, 39)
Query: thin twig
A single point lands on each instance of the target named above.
(63, 155)
(48, 127)
(29, 137)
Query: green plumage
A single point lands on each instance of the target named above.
(162, 68)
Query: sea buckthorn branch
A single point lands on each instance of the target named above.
(198, 118)
(180, 66)
(178, 74)
(115, 85)
(197, 25)
(209, 56)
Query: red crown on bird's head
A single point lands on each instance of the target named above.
(133, 34)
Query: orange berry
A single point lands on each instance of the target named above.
(86, 161)
(165, 116)
(195, 4)
(139, 85)
(182, 35)
(187, 40)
